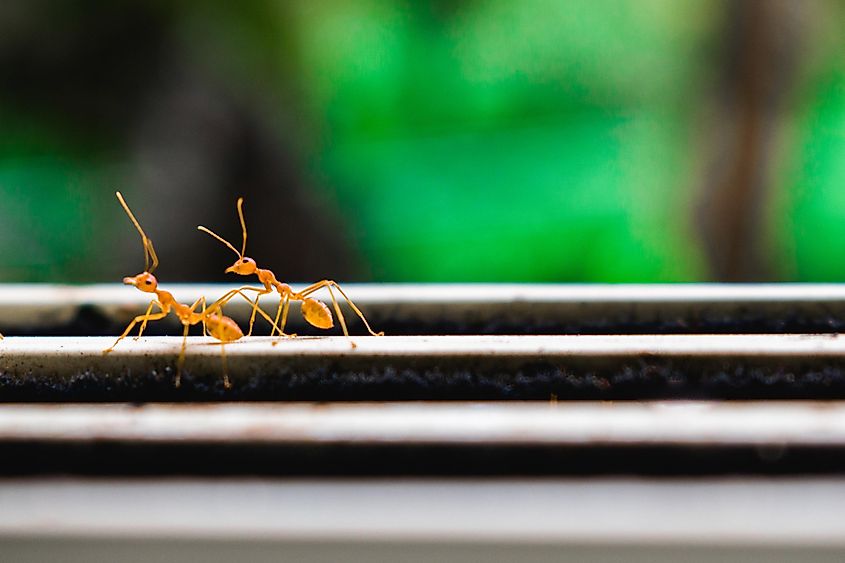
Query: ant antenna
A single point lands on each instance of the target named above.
(226, 242)
(221, 239)
(149, 250)
(243, 223)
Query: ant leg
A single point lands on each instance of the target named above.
(226, 383)
(267, 318)
(181, 361)
(187, 323)
(204, 326)
(285, 316)
(147, 314)
(218, 305)
(252, 315)
(278, 314)
(195, 304)
(357, 310)
(201, 300)
(339, 314)
(255, 309)
(222, 301)
(136, 320)
(259, 291)
(329, 283)
(284, 307)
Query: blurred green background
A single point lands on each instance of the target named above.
(385, 140)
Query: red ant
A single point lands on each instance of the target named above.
(314, 311)
(214, 322)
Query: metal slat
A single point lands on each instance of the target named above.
(420, 439)
(781, 424)
(467, 308)
(620, 516)
(428, 367)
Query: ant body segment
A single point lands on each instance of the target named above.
(314, 311)
(214, 322)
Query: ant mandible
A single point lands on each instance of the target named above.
(214, 322)
(314, 311)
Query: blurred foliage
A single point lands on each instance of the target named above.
(482, 140)
(510, 141)
(814, 230)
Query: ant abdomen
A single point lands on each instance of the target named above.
(317, 313)
(223, 328)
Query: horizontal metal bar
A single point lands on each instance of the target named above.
(14, 295)
(61, 353)
(467, 308)
(427, 367)
(67, 356)
(779, 424)
(620, 516)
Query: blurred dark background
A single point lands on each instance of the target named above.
(386, 140)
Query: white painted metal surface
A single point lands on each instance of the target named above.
(747, 345)
(725, 512)
(62, 357)
(653, 423)
(771, 520)
(36, 305)
(39, 294)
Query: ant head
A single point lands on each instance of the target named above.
(243, 266)
(144, 281)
